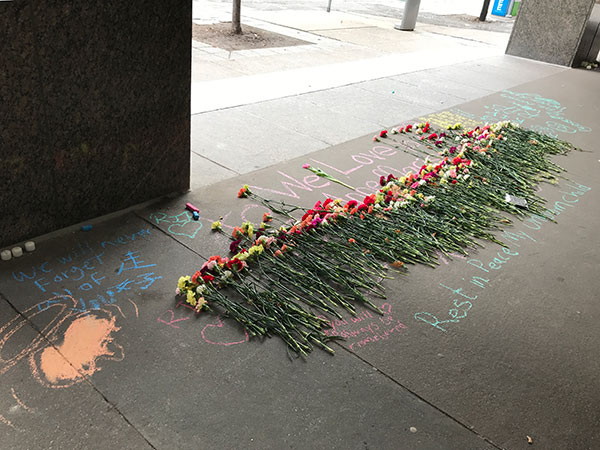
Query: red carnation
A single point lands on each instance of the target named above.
(383, 134)
(216, 258)
(208, 277)
(233, 247)
(195, 277)
(382, 180)
(456, 161)
(310, 212)
(237, 233)
(235, 264)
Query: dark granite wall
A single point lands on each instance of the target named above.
(549, 30)
(94, 109)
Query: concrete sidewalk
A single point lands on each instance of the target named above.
(96, 351)
(357, 75)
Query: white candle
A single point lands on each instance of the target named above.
(6, 255)
(17, 251)
(30, 246)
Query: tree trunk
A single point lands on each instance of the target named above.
(236, 25)
(484, 10)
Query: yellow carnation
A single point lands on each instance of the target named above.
(181, 282)
(256, 249)
(191, 298)
(241, 256)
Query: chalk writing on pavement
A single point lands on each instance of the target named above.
(77, 323)
(366, 328)
(538, 113)
(85, 271)
(464, 294)
(213, 333)
(70, 345)
(182, 224)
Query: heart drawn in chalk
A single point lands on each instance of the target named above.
(211, 336)
(184, 230)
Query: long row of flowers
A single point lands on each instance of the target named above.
(288, 275)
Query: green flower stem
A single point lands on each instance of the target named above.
(325, 175)
(342, 263)
(308, 294)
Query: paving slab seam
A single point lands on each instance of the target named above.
(83, 376)
(316, 30)
(437, 33)
(437, 408)
(297, 95)
(409, 99)
(290, 130)
(299, 29)
(472, 430)
(350, 83)
(215, 162)
(350, 114)
(539, 63)
(362, 360)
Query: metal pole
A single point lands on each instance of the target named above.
(329, 6)
(409, 19)
(484, 10)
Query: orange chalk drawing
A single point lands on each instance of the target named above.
(137, 313)
(69, 347)
(6, 422)
(19, 401)
(87, 340)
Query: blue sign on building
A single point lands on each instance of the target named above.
(500, 7)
